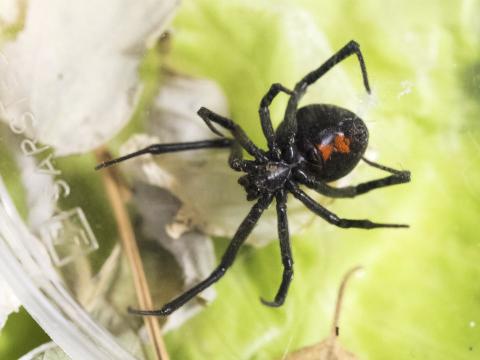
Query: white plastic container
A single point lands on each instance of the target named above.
(28, 269)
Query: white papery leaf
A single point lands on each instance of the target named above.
(74, 68)
(211, 198)
(9, 11)
(192, 250)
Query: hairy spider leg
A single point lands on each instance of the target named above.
(228, 258)
(349, 49)
(172, 147)
(240, 141)
(333, 218)
(265, 119)
(236, 161)
(308, 179)
(285, 251)
(209, 116)
(287, 135)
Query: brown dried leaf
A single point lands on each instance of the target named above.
(330, 348)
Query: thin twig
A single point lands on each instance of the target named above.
(130, 247)
(338, 305)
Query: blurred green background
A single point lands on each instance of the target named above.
(420, 296)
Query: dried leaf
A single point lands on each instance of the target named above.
(12, 16)
(75, 66)
(192, 250)
(330, 348)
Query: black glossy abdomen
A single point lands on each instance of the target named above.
(315, 122)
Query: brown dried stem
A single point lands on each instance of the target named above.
(338, 305)
(127, 236)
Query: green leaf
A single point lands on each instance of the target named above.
(419, 298)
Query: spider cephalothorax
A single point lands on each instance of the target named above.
(312, 146)
(265, 178)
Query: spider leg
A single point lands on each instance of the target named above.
(265, 119)
(331, 217)
(228, 258)
(285, 250)
(289, 129)
(209, 116)
(397, 177)
(172, 147)
(235, 160)
(351, 48)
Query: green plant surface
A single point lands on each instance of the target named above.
(419, 298)
(20, 334)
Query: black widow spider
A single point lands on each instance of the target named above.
(313, 145)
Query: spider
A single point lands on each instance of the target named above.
(312, 146)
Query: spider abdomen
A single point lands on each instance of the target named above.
(331, 139)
